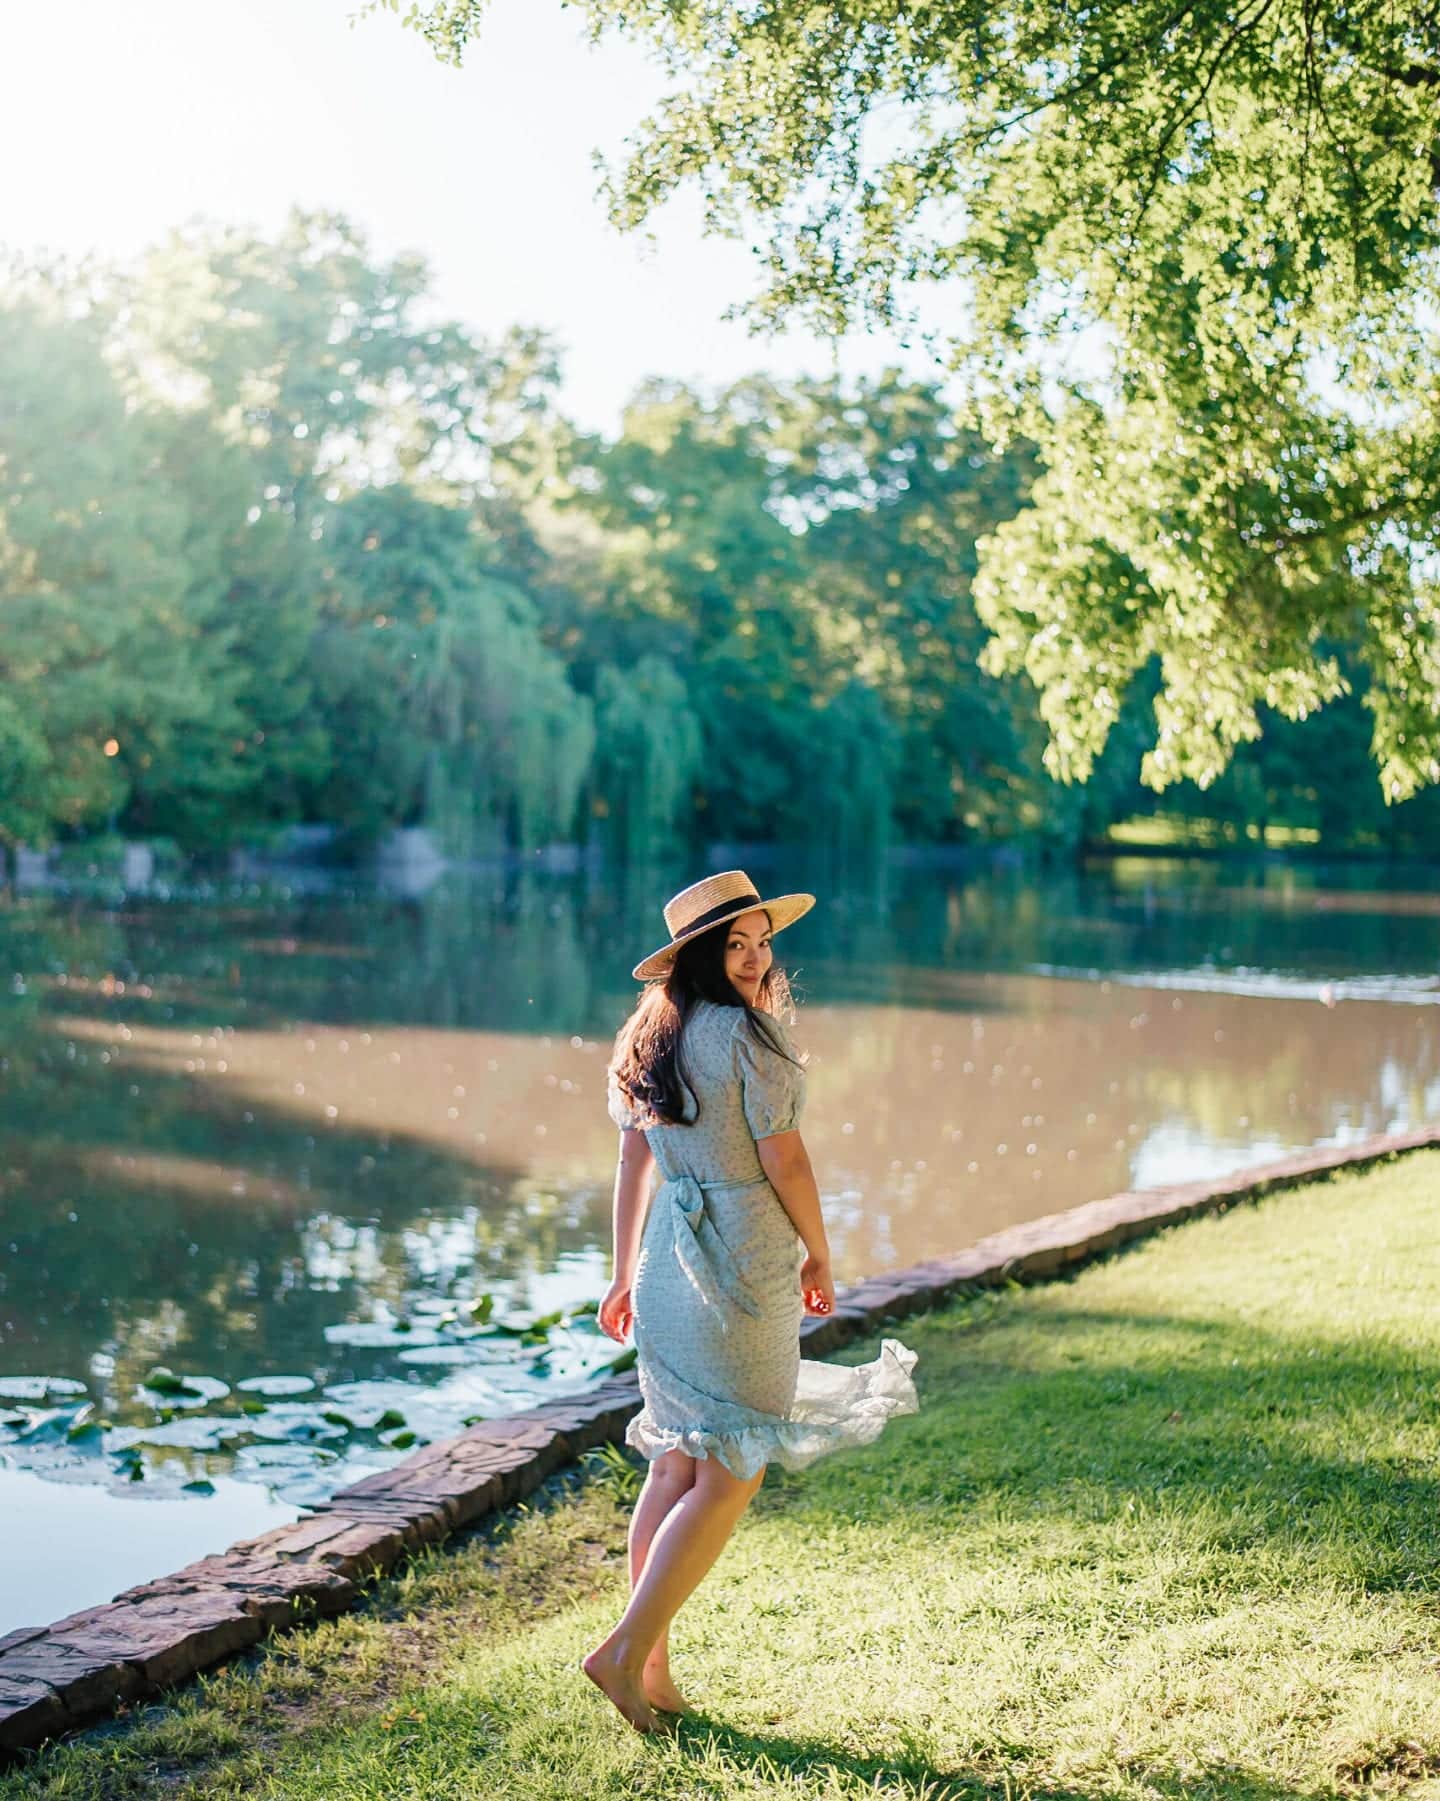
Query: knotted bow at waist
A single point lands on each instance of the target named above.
(701, 1252)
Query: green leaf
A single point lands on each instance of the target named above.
(166, 1382)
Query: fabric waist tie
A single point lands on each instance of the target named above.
(700, 1251)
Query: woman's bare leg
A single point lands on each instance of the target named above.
(670, 1475)
(685, 1545)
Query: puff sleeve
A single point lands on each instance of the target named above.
(772, 1089)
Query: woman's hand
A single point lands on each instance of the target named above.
(817, 1285)
(616, 1314)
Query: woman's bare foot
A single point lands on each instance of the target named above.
(620, 1687)
(660, 1689)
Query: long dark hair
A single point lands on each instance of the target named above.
(647, 1062)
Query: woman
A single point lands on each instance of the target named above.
(704, 1083)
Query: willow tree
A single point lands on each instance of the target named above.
(727, 592)
(445, 707)
(1229, 205)
(843, 795)
(647, 757)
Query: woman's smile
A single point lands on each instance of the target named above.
(747, 951)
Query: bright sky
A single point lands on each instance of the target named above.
(127, 120)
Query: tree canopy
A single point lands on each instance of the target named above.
(276, 549)
(1187, 247)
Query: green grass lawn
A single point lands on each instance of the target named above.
(1166, 1529)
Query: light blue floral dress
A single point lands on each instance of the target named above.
(717, 1283)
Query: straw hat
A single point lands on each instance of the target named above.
(709, 903)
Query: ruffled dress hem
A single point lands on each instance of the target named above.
(835, 1406)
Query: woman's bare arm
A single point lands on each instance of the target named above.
(786, 1162)
(632, 1194)
(631, 1197)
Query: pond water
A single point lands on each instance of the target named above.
(291, 1181)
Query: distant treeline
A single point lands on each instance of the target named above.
(275, 546)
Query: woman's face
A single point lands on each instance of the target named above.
(747, 952)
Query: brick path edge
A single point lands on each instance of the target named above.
(56, 1678)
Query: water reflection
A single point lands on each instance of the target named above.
(285, 1149)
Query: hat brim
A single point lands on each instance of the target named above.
(784, 910)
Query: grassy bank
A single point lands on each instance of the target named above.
(1167, 1529)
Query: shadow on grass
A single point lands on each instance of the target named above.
(785, 1761)
(1267, 1461)
(1318, 1449)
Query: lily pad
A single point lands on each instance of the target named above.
(162, 1381)
(181, 1391)
(38, 1388)
(378, 1335)
(270, 1459)
(52, 1425)
(433, 1411)
(276, 1386)
(205, 1432)
(294, 1422)
(584, 1325)
(365, 1404)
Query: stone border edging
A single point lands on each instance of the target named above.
(58, 1677)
